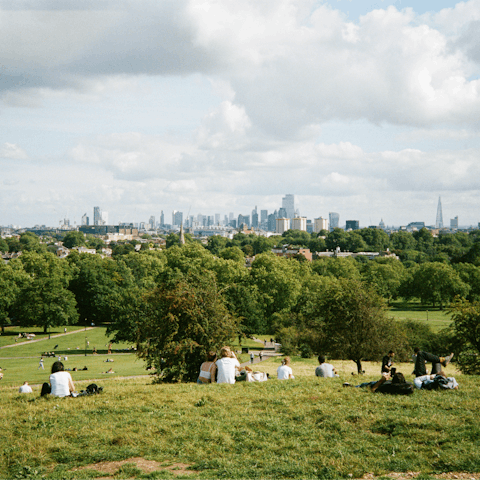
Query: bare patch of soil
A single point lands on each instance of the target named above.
(146, 466)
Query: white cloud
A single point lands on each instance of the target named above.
(12, 151)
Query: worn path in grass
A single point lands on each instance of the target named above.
(46, 338)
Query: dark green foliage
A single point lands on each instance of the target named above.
(74, 239)
(44, 299)
(466, 327)
(179, 322)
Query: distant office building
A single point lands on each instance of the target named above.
(85, 219)
(177, 218)
(151, 222)
(217, 219)
(162, 219)
(97, 216)
(233, 223)
(288, 203)
(320, 224)
(263, 218)
(439, 220)
(271, 222)
(454, 222)
(334, 220)
(299, 223)
(210, 220)
(243, 220)
(255, 217)
(282, 225)
(230, 216)
(415, 225)
(352, 225)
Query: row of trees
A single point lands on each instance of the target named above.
(332, 305)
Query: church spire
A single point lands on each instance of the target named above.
(181, 240)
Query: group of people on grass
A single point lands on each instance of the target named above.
(394, 382)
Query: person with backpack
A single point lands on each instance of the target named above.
(397, 385)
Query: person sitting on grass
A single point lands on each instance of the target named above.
(227, 366)
(387, 362)
(325, 369)
(396, 386)
(208, 369)
(284, 371)
(25, 388)
(438, 381)
(423, 357)
(61, 383)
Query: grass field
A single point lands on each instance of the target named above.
(436, 318)
(303, 428)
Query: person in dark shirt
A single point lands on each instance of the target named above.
(396, 386)
(387, 362)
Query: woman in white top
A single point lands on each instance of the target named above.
(227, 366)
(61, 383)
(284, 371)
(208, 369)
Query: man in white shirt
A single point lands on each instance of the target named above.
(325, 369)
(25, 388)
(227, 366)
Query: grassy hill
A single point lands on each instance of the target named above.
(302, 428)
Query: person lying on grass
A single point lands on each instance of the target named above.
(438, 381)
(437, 362)
(61, 383)
(396, 386)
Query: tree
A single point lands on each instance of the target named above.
(3, 245)
(336, 238)
(354, 321)
(385, 276)
(336, 267)
(179, 322)
(376, 239)
(434, 283)
(44, 299)
(31, 243)
(466, 326)
(402, 240)
(74, 239)
(12, 277)
(98, 286)
(216, 243)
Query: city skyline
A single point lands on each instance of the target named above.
(368, 110)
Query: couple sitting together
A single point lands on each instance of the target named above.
(226, 369)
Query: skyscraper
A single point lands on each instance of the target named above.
(255, 217)
(288, 203)
(333, 220)
(151, 222)
(162, 219)
(85, 219)
(177, 218)
(439, 220)
(97, 216)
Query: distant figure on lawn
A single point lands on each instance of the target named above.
(284, 371)
(25, 388)
(61, 383)
(252, 356)
(227, 366)
(325, 369)
(437, 362)
(40, 365)
(396, 386)
(387, 362)
(208, 369)
(438, 381)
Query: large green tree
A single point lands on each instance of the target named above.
(44, 299)
(179, 322)
(74, 239)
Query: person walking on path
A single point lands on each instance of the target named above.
(252, 356)
(260, 355)
(40, 365)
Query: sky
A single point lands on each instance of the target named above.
(366, 108)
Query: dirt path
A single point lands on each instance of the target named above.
(45, 338)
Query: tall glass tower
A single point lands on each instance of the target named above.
(439, 220)
(288, 203)
(333, 220)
